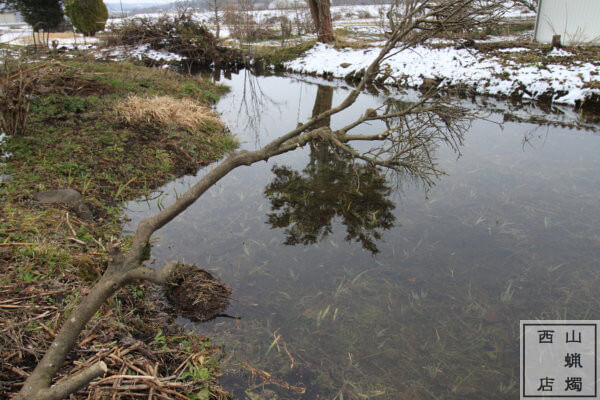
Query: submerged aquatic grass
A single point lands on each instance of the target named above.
(435, 314)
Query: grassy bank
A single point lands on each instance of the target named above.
(277, 55)
(81, 135)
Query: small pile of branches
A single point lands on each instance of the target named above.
(179, 34)
(134, 371)
(138, 361)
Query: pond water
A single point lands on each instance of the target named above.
(357, 286)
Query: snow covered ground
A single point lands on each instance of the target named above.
(484, 73)
(338, 13)
(3, 155)
(22, 35)
(138, 53)
(490, 73)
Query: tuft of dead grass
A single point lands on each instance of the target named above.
(196, 294)
(166, 111)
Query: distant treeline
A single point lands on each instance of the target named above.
(118, 10)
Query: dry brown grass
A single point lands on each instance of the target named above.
(593, 84)
(344, 39)
(166, 111)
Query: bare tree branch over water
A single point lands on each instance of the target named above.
(401, 146)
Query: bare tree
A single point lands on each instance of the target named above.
(215, 7)
(302, 18)
(529, 4)
(401, 146)
(240, 19)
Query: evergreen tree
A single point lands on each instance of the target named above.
(87, 16)
(40, 14)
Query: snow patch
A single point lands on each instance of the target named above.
(3, 155)
(451, 67)
(514, 50)
(139, 52)
(560, 53)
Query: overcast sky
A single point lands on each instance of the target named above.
(140, 2)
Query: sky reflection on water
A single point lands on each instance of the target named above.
(511, 232)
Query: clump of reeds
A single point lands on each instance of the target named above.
(165, 112)
(196, 294)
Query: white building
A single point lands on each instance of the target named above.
(576, 21)
(10, 18)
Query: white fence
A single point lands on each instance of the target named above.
(577, 21)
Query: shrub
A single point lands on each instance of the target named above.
(40, 14)
(178, 34)
(18, 81)
(88, 16)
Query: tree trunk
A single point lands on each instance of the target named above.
(217, 21)
(321, 14)
(323, 102)
(319, 150)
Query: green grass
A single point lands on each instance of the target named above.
(73, 139)
(277, 55)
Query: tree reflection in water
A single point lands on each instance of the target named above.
(334, 184)
(306, 203)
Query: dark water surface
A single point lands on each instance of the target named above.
(511, 232)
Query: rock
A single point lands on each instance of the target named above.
(83, 211)
(345, 65)
(495, 314)
(66, 196)
(429, 84)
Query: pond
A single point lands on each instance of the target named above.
(353, 284)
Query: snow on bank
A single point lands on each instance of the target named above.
(484, 73)
(560, 53)
(23, 35)
(138, 53)
(157, 55)
(3, 155)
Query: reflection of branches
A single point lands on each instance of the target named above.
(306, 203)
(413, 131)
(334, 184)
(254, 100)
(532, 137)
(416, 131)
